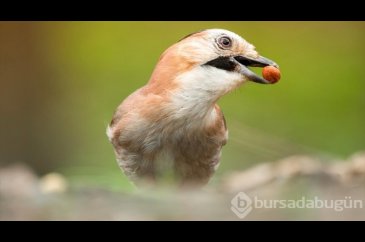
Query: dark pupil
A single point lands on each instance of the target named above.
(225, 41)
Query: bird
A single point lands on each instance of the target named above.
(173, 124)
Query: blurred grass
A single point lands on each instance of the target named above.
(317, 107)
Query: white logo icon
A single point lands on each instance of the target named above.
(241, 205)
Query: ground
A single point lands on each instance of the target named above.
(24, 196)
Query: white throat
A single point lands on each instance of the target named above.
(199, 90)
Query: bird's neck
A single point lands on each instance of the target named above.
(196, 110)
(198, 92)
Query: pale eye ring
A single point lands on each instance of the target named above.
(224, 42)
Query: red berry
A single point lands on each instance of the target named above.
(271, 73)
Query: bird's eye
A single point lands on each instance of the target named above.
(225, 42)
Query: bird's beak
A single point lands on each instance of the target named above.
(242, 67)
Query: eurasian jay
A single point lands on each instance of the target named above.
(172, 125)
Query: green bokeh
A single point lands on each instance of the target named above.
(318, 107)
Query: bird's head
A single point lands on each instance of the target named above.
(214, 60)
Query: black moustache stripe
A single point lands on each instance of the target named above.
(222, 62)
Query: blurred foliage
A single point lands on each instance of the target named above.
(78, 72)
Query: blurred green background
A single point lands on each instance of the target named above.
(61, 82)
